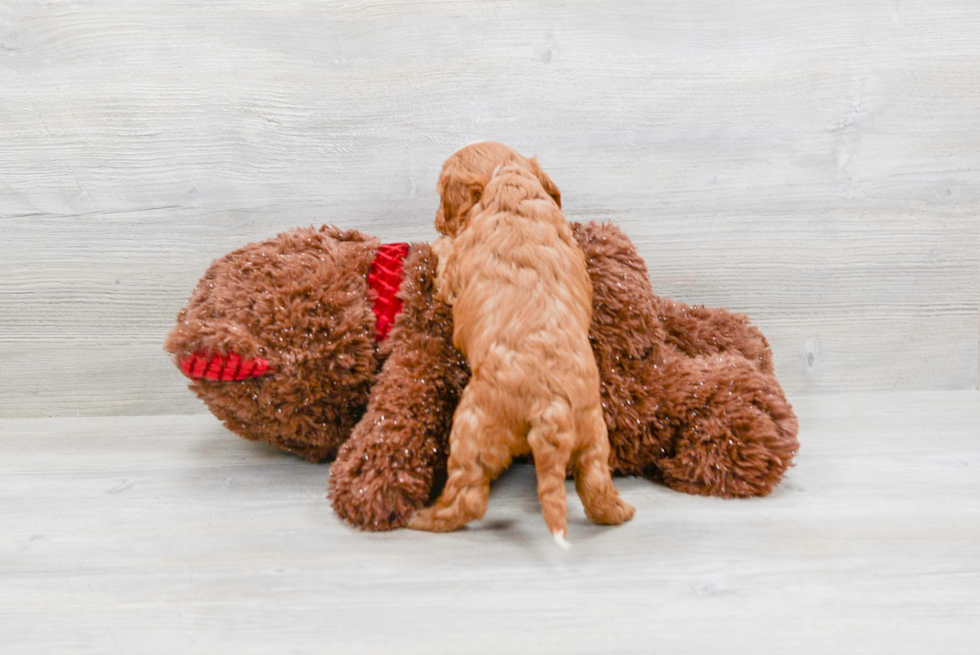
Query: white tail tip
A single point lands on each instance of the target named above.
(560, 540)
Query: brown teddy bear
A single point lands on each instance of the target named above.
(331, 345)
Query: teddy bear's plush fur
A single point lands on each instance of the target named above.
(689, 394)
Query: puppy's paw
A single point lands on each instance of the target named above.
(612, 510)
(434, 519)
(420, 520)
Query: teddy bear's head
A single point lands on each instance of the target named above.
(280, 338)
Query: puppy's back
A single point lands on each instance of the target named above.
(520, 277)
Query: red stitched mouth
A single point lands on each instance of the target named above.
(224, 367)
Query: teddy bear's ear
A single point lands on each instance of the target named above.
(550, 187)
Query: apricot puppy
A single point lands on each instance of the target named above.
(522, 305)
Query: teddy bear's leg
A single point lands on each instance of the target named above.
(735, 433)
(699, 330)
(395, 459)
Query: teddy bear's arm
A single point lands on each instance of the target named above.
(394, 461)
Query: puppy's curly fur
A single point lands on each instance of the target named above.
(522, 306)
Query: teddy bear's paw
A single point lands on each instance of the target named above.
(377, 500)
(735, 433)
(729, 457)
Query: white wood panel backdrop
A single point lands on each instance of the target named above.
(814, 164)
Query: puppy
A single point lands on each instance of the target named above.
(522, 306)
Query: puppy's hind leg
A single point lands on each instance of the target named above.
(550, 439)
(593, 481)
(478, 452)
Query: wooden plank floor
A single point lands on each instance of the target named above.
(168, 535)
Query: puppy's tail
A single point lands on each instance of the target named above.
(550, 441)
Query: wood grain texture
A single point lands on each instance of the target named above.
(813, 164)
(168, 534)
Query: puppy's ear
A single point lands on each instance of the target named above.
(458, 198)
(550, 187)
